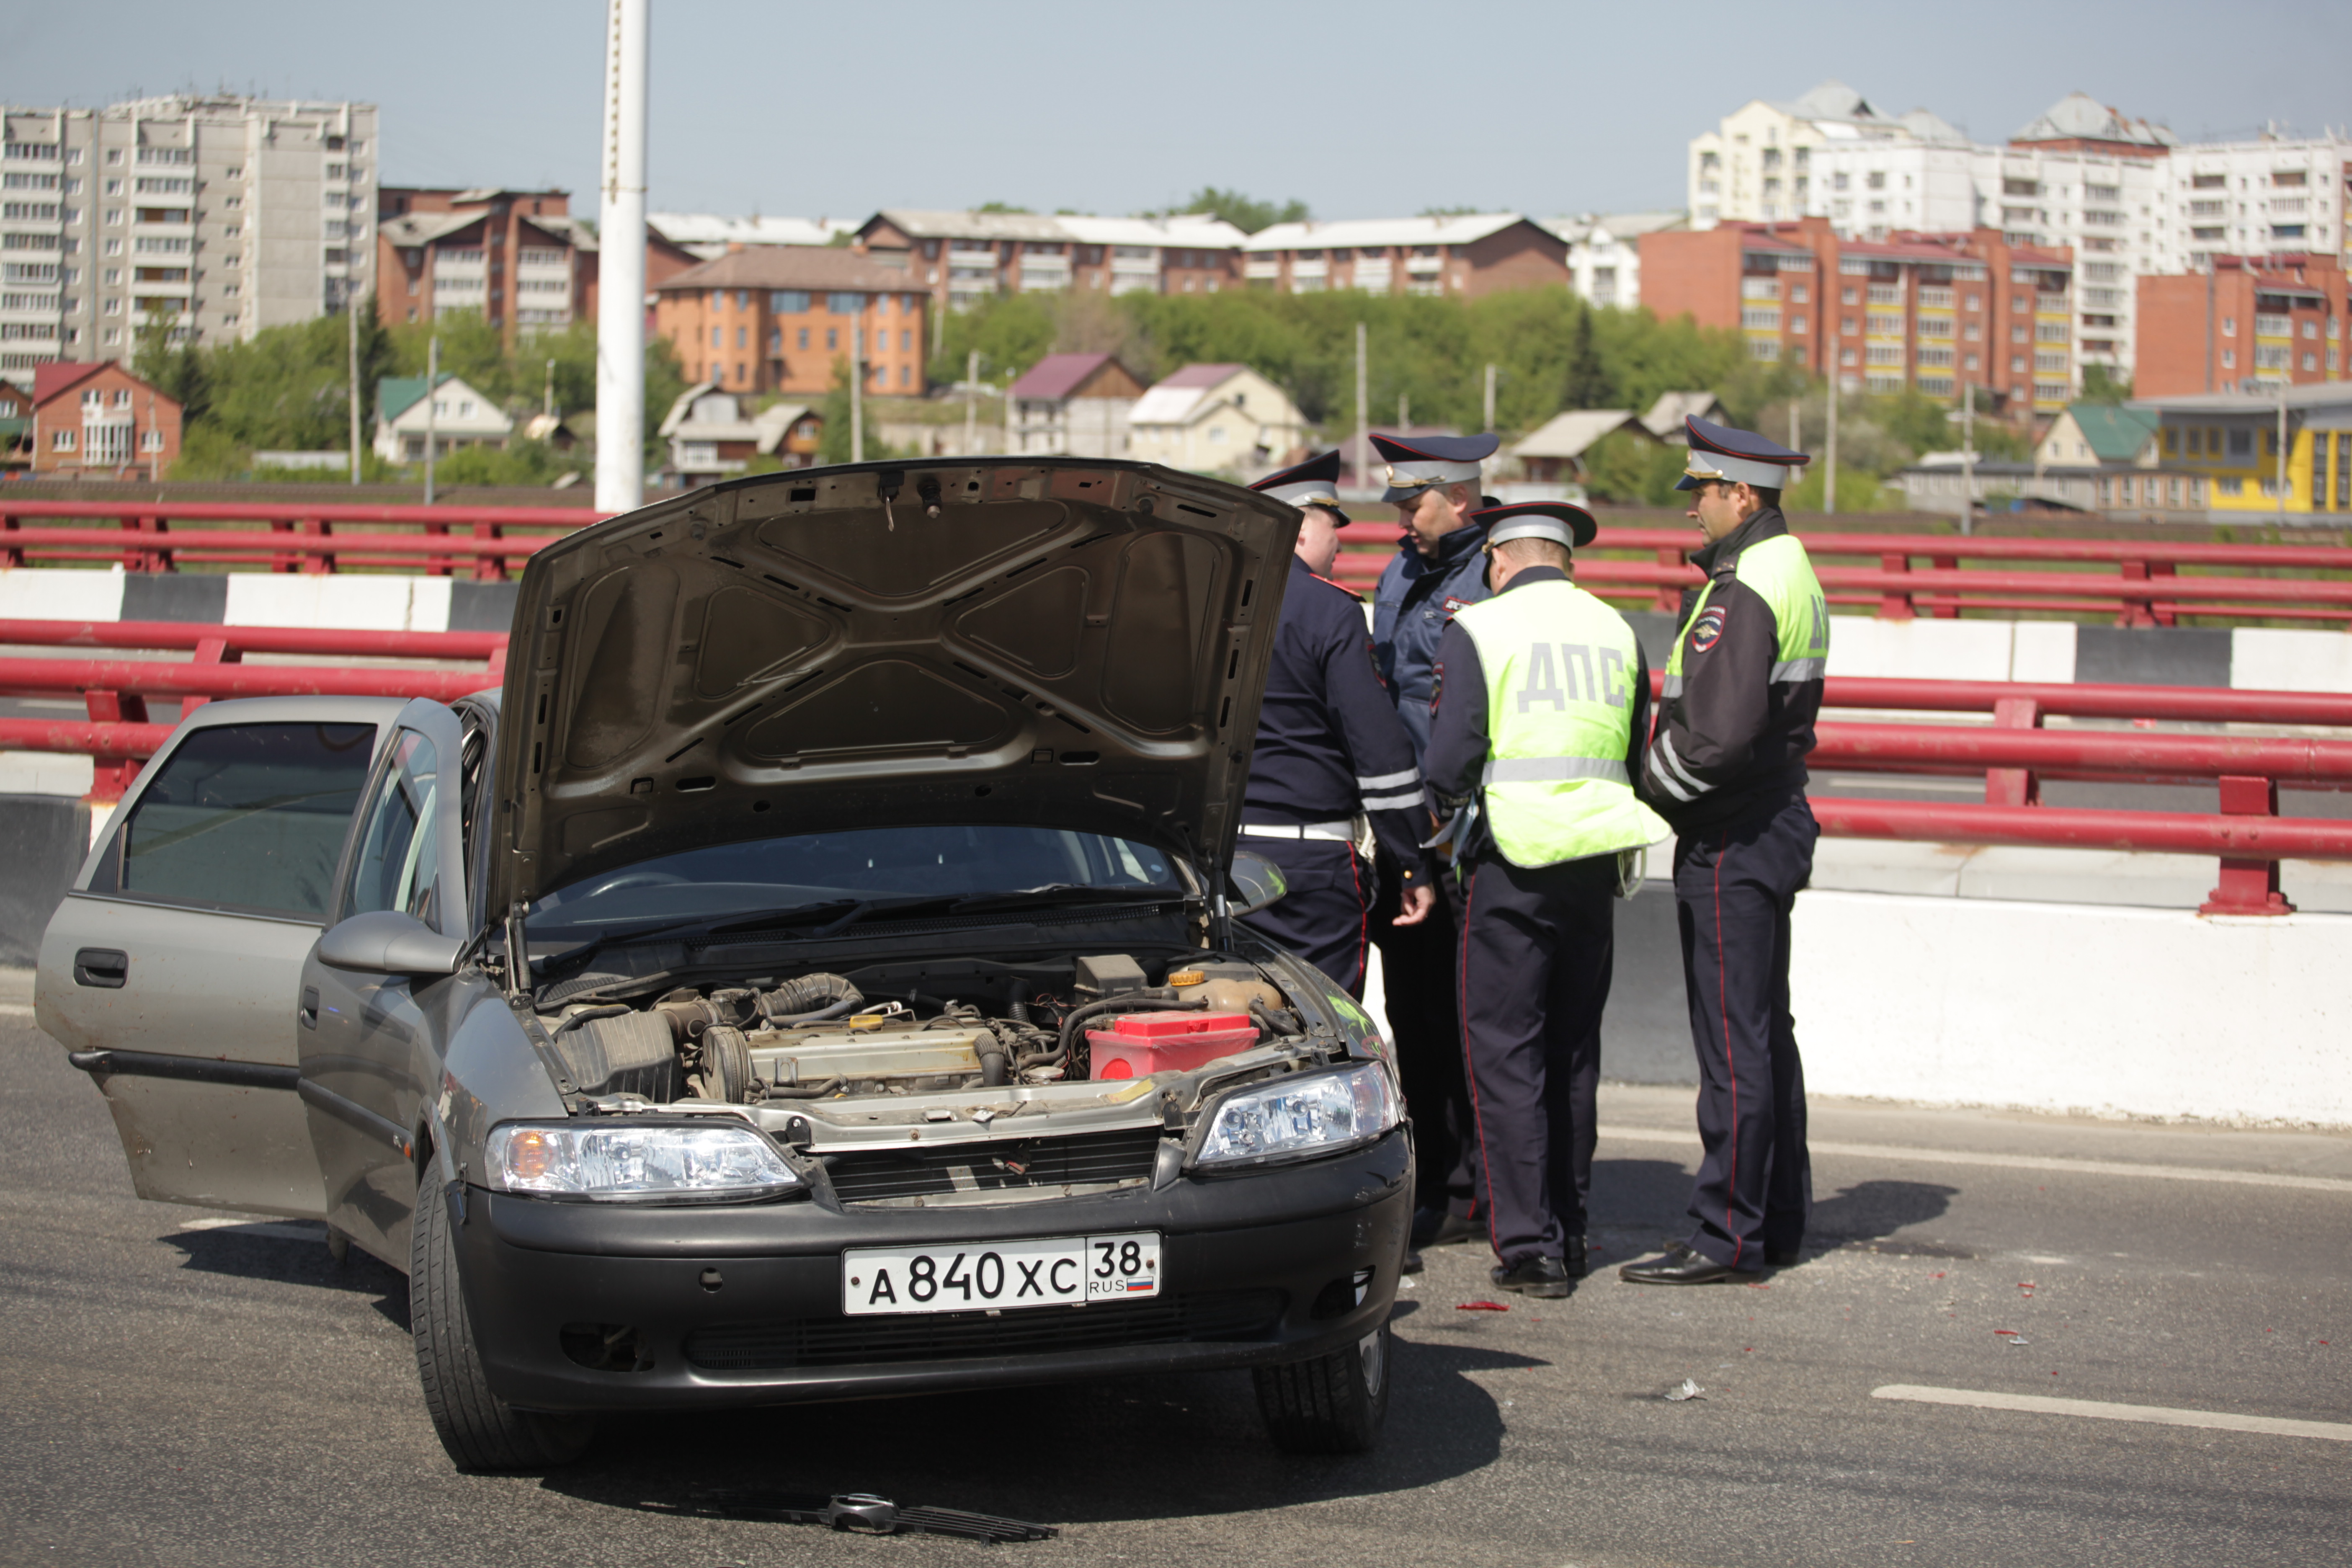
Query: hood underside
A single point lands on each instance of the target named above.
(1054, 642)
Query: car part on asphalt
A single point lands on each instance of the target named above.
(862, 1513)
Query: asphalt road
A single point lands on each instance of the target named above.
(186, 1387)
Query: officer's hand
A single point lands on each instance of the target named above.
(1418, 900)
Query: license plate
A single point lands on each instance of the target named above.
(1059, 1271)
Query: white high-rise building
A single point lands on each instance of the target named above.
(1604, 252)
(2273, 196)
(226, 214)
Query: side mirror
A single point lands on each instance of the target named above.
(1257, 882)
(386, 942)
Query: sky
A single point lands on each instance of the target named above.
(1366, 109)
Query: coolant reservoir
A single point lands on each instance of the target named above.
(1230, 987)
(1137, 1044)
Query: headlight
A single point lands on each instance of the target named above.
(1300, 1116)
(621, 1161)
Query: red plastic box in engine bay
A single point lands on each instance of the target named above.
(1139, 1043)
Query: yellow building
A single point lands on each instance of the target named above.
(2231, 441)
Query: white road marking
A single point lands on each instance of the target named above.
(16, 1009)
(290, 1230)
(2100, 1410)
(2021, 1162)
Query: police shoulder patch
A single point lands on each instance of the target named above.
(1707, 630)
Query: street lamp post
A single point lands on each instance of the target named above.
(621, 243)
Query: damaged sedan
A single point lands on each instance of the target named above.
(820, 971)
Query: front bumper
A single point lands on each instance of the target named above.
(704, 1307)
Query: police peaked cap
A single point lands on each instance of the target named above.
(1736, 457)
(1315, 482)
(1557, 520)
(1426, 460)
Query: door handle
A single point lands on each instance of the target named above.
(107, 968)
(309, 1013)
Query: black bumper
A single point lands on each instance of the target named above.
(1258, 1268)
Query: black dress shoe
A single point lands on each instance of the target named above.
(1437, 1227)
(1411, 1261)
(1681, 1266)
(1543, 1276)
(1575, 1261)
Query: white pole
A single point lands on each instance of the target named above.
(351, 309)
(1489, 426)
(2281, 450)
(970, 403)
(1829, 452)
(1968, 458)
(621, 263)
(858, 384)
(432, 394)
(1363, 414)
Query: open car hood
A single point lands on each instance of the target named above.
(1056, 642)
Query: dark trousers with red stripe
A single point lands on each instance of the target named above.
(1538, 951)
(1734, 889)
(1418, 983)
(1321, 918)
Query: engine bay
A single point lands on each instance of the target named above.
(902, 1031)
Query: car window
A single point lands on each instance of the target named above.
(247, 816)
(893, 862)
(399, 863)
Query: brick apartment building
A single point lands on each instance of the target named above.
(516, 256)
(778, 317)
(2249, 324)
(1462, 256)
(100, 422)
(962, 258)
(1934, 312)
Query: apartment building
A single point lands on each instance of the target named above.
(224, 214)
(2229, 442)
(1604, 252)
(960, 259)
(1931, 312)
(779, 318)
(2274, 195)
(2243, 323)
(707, 236)
(1460, 257)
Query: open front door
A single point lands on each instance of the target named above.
(172, 970)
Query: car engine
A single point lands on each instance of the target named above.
(822, 1036)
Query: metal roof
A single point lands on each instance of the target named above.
(1379, 233)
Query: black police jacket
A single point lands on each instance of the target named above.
(1411, 610)
(1737, 738)
(1329, 744)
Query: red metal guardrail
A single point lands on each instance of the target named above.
(2013, 754)
(2146, 589)
(297, 538)
(1913, 575)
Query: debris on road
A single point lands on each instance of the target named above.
(862, 1513)
(1480, 1307)
(1689, 1390)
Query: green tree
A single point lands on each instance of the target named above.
(2101, 384)
(1011, 332)
(1244, 212)
(1000, 207)
(1586, 383)
(179, 371)
(833, 440)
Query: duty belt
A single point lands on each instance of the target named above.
(1344, 831)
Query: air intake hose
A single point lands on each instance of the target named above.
(809, 997)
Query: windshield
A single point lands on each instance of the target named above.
(877, 864)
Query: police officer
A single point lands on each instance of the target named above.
(1727, 769)
(1542, 711)
(1433, 483)
(1329, 746)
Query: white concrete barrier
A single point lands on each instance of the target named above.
(2074, 1008)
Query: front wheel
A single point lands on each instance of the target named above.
(1333, 1404)
(480, 1431)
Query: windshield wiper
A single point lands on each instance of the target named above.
(732, 919)
(1062, 893)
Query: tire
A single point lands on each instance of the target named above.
(1335, 1404)
(480, 1431)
